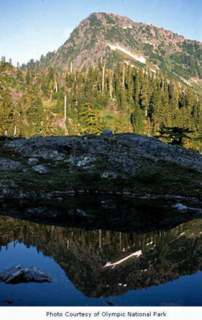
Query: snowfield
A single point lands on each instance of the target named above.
(117, 47)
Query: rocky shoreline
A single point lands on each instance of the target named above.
(122, 164)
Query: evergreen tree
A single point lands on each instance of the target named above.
(174, 135)
(28, 78)
(6, 115)
(91, 119)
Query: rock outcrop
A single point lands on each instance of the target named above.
(6, 164)
(123, 164)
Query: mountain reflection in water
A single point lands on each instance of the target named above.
(101, 264)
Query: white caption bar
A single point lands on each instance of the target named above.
(42, 313)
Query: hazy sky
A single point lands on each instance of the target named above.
(30, 28)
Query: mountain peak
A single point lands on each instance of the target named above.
(114, 38)
(110, 19)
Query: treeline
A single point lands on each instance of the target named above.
(148, 98)
(89, 100)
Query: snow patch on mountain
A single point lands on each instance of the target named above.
(128, 27)
(119, 48)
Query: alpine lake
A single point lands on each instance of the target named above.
(103, 251)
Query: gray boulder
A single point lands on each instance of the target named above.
(6, 164)
(17, 275)
(180, 207)
(41, 169)
(110, 175)
(33, 161)
(106, 132)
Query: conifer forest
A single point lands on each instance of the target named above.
(74, 102)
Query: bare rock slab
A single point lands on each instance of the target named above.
(33, 161)
(41, 169)
(6, 165)
(17, 275)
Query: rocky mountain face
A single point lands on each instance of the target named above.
(111, 38)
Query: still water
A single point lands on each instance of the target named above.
(96, 267)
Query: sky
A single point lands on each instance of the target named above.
(30, 28)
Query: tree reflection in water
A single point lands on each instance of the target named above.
(103, 263)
